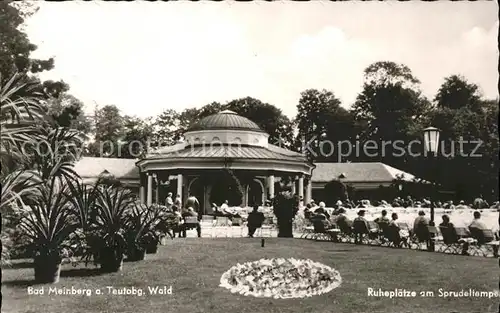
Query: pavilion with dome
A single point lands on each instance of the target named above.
(226, 156)
(220, 153)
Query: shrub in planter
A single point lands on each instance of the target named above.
(285, 207)
(151, 241)
(106, 235)
(141, 230)
(47, 225)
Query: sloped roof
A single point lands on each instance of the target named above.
(240, 152)
(90, 167)
(225, 120)
(357, 172)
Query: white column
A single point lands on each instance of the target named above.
(308, 191)
(150, 190)
(157, 193)
(247, 187)
(301, 186)
(142, 197)
(271, 186)
(294, 186)
(179, 186)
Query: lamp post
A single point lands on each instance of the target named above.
(431, 145)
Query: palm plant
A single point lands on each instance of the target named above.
(18, 117)
(82, 198)
(48, 224)
(18, 120)
(142, 230)
(56, 151)
(106, 232)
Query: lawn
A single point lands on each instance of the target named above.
(193, 268)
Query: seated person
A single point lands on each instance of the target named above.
(449, 205)
(394, 233)
(384, 204)
(357, 220)
(307, 211)
(408, 203)
(176, 222)
(397, 203)
(190, 212)
(382, 219)
(341, 217)
(338, 205)
(420, 224)
(321, 222)
(477, 222)
(322, 210)
(479, 203)
(446, 223)
(462, 205)
(169, 202)
(254, 220)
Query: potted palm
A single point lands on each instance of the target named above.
(106, 233)
(142, 224)
(82, 198)
(48, 224)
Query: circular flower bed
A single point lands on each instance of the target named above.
(281, 278)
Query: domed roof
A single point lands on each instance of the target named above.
(225, 120)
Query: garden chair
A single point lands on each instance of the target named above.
(346, 234)
(424, 236)
(320, 232)
(222, 223)
(190, 222)
(392, 236)
(366, 232)
(208, 218)
(307, 231)
(452, 242)
(267, 227)
(485, 240)
(207, 225)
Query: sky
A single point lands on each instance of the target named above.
(145, 57)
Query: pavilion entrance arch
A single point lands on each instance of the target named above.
(256, 192)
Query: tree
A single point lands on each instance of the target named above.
(456, 93)
(15, 49)
(165, 129)
(267, 116)
(469, 148)
(135, 141)
(320, 118)
(67, 111)
(108, 132)
(392, 109)
(385, 73)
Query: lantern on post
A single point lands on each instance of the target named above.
(431, 146)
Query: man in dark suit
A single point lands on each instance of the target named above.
(255, 220)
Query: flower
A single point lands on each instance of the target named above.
(281, 278)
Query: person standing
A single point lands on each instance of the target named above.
(192, 202)
(191, 213)
(178, 201)
(255, 220)
(169, 201)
